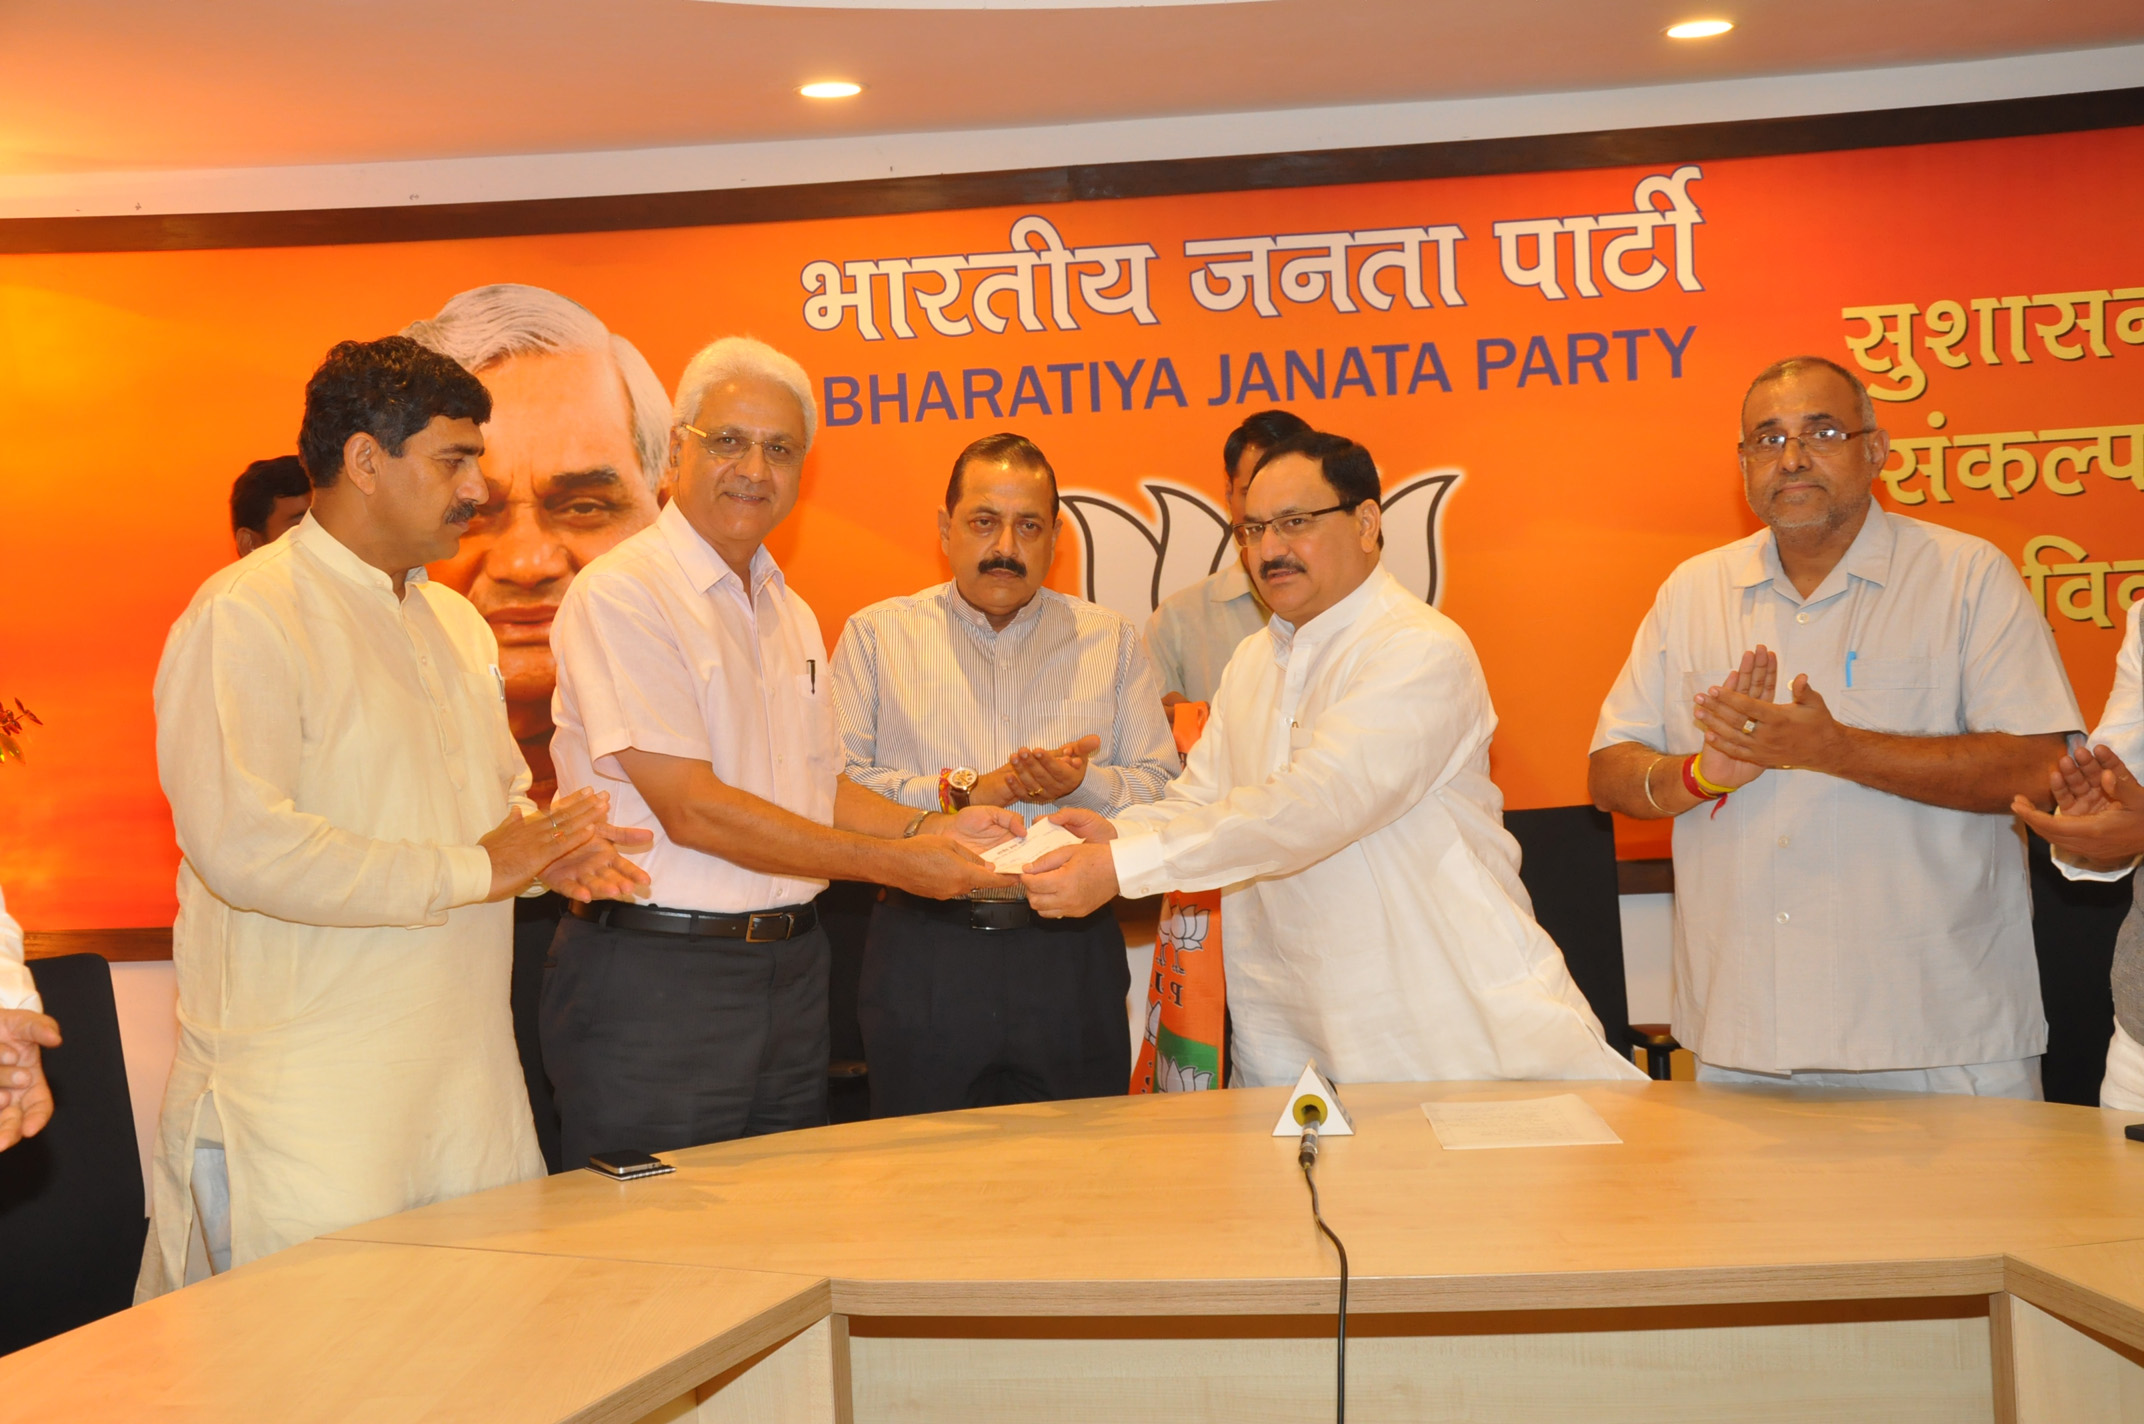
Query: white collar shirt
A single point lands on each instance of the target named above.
(1821, 924)
(1196, 630)
(924, 684)
(662, 648)
(1340, 796)
(332, 754)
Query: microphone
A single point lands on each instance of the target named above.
(1309, 1111)
(1309, 1114)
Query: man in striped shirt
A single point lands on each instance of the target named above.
(968, 1003)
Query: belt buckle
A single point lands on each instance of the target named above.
(753, 936)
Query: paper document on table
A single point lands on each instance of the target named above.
(1562, 1121)
(1012, 857)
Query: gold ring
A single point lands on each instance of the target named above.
(1749, 726)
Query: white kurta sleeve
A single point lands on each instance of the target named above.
(17, 989)
(1411, 708)
(2120, 730)
(228, 743)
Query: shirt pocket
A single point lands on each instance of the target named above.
(817, 729)
(1910, 695)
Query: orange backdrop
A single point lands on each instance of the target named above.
(133, 387)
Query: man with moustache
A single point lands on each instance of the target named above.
(972, 1003)
(1194, 631)
(352, 814)
(572, 463)
(692, 683)
(1851, 906)
(1341, 794)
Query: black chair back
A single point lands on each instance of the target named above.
(2074, 923)
(1568, 865)
(71, 1214)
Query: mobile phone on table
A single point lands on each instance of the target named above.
(625, 1166)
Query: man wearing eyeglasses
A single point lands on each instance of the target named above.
(1851, 903)
(973, 1003)
(1341, 794)
(693, 686)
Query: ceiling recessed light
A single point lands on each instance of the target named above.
(1699, 29)
(831, 89)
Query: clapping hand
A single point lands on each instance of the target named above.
(1746, 732)
(598, 869)
(523, 844)
(2099, 809)
(25, 1096)
(1041, 775)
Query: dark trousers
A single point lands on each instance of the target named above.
(535, 922)
(964, 1018)
(655, 1041)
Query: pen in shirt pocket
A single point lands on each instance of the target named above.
(499, 678)
(1850, 668)
(811, 670)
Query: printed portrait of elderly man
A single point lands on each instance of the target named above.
(572, 463)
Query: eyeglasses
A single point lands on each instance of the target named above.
(728, 447)
(1290, 527)
(1769, 447)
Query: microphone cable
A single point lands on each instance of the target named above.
(1306, 1157)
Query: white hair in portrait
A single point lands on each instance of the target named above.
(486, 325)
(733, 356)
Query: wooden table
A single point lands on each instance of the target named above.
(1744, 1254)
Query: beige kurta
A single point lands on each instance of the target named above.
(332, 755)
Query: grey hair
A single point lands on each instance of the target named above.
(486, 325)
(1864, 408)
(732, 356)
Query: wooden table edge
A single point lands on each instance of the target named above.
(2057, 1294)
(1725, 1285)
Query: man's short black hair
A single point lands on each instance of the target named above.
(390, 389)
(1262, 431)
(1347, 467)
(254, 493)
(1003, 448)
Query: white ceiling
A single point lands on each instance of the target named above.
(95, 85)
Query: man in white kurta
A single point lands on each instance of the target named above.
(1341, 793)
(334, 745)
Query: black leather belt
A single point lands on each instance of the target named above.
(761, 927)
(982, 914)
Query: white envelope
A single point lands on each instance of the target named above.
(1012, 857)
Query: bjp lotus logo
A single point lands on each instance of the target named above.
(1133, 563)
